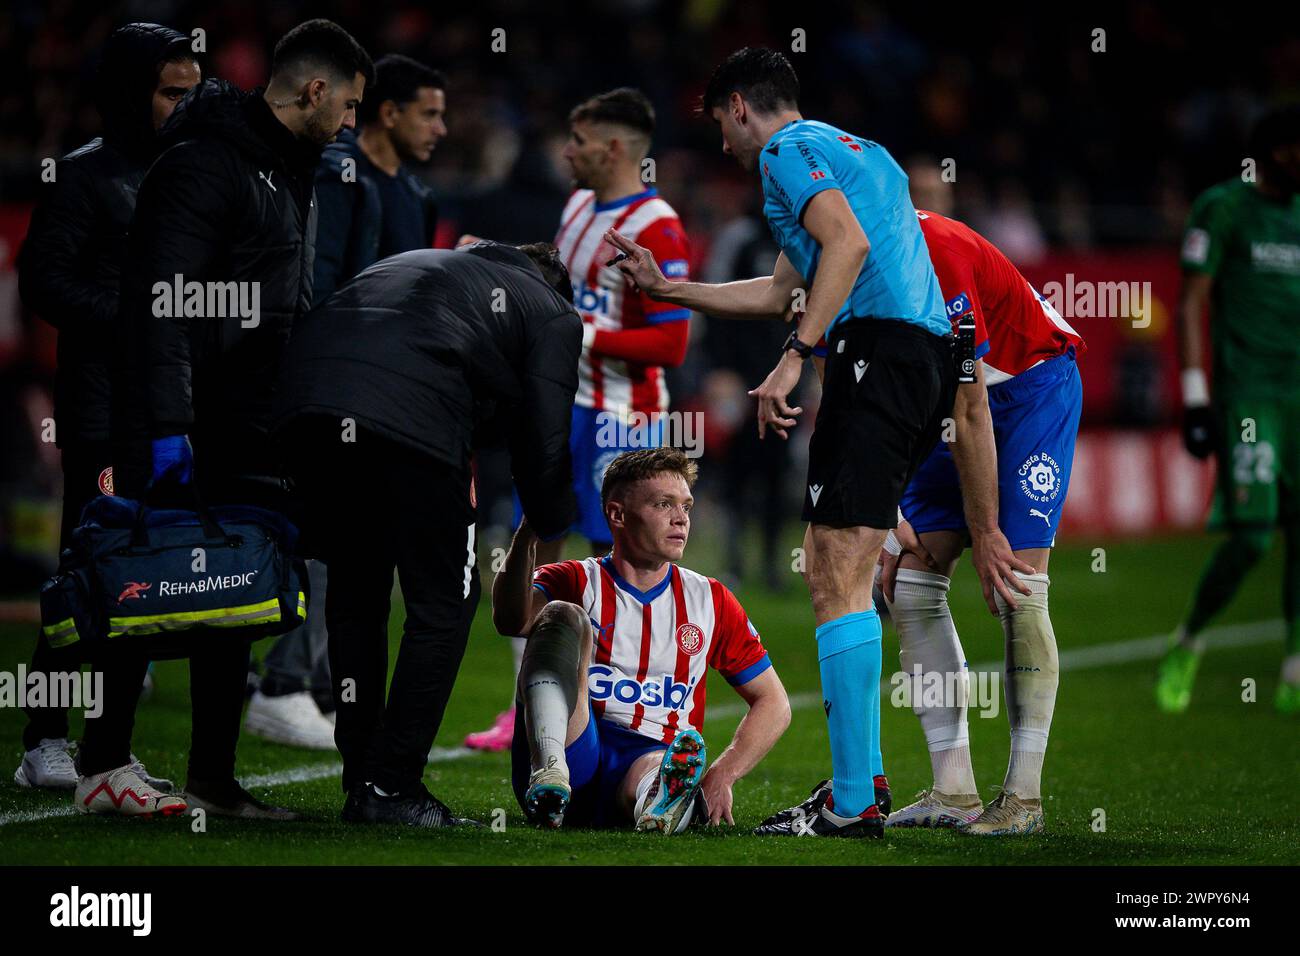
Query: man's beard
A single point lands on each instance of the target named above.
(318, 131)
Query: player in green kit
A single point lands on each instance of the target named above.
(1241, 253)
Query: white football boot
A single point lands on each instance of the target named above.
(158, 783)
(48, 767)
(122, 791)
(936, 810)
(668, 804)
(1008, 815)
(289, 719)
(548, 796)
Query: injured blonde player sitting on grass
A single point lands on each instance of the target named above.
(612, 687)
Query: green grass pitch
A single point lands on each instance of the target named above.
(1215, 786)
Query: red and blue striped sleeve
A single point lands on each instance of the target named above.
(564, 581)
(736, 652)
(666, 240)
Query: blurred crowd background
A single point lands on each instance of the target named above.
(1074, 151)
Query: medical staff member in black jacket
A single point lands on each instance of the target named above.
(387, 388)
(68, 274)
(218, 268)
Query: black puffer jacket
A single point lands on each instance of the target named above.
(230, 201)
(70, 266)
(424, 346)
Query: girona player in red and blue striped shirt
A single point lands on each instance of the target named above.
(614, 679)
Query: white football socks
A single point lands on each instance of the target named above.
(517, 645)
(1032, 677)
(928, 638)
(549, 681)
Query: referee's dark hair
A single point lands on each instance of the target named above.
(400, 79)
(547, 258)
(322, 45)
(763, 77)
(624, 106)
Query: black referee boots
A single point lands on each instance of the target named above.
(415, 807)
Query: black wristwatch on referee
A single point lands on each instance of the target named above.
(792, 344)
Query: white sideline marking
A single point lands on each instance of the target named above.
(31, 816)
(1086, 658)
(1075, 659)
(281, 778)
(322, 770)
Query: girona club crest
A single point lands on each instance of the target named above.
(690, 639)
(106, 481)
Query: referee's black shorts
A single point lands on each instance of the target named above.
(887, 389)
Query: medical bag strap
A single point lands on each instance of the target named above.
(211, 529)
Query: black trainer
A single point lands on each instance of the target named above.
(801, 811)
(416, 807)
(226, 798)
(884, 801)
(825, 822)
(884, 796)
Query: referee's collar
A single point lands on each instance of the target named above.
(773, 137)
(645, 597)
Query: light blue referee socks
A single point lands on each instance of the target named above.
(877, 758)
(848, 650)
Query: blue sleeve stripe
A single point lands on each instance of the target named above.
(676, 315)
(542, 588)
(750, 672)
(982, 349)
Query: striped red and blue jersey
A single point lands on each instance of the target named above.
(1015, 327)
(603, 296)
(652, 650)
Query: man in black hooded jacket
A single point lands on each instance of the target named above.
(219, 267)
(227, 210)
(387, 387)
(68, 274)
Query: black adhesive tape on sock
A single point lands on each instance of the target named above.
(555, 647)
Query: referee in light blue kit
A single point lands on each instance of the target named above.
(839, 208)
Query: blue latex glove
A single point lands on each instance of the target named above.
(173, 460)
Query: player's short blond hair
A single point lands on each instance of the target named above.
(633, 466)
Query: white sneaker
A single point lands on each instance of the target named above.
(122, 791)
(1008, 815)
(49, 766)
(158, 783)
(938, 811)
(289, 719)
